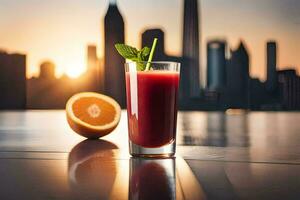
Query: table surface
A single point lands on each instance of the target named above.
(252, 155)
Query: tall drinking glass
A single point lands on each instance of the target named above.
(152, 108)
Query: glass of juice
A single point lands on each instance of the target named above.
(152, 108)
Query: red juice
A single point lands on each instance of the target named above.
(152, 107)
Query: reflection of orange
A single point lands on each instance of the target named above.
(92, 169)
(92, 115)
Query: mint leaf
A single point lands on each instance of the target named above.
(140, 61)
(135, 55)
(141, 66)
(127, 51)
(145, 52)
(140, 56)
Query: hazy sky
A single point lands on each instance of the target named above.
(60, 30)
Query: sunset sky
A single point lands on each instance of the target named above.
(60, 30)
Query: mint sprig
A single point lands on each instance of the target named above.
(133, 54)
(127, 51)
(139, 56)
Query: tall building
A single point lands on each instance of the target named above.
(190, 83)
(289, 85)
(237, 90)
(92, 59)
(94, 70)
(12, 81)
(160, 55)
(113, 62)
(147, 40)
(271, 83)
(47, 70)
(216, 65)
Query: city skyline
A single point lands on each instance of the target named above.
(229, 84)
(75, 57)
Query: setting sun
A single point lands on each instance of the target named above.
(74, 72)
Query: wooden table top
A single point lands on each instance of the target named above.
(252, 155)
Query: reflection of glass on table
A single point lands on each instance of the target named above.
(152, 179)
(165, 179)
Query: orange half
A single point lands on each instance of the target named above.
(92, 115)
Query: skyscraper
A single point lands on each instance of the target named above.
(238, 78)
(160, 55)
(47, 70)
(95, 73)
(12, 81)
(113, 62)
(289, 86)
(216, 65)
(147, 40)
(190, 85)
(92, 59)
(272, 79)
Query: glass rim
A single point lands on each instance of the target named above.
(153, 62)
